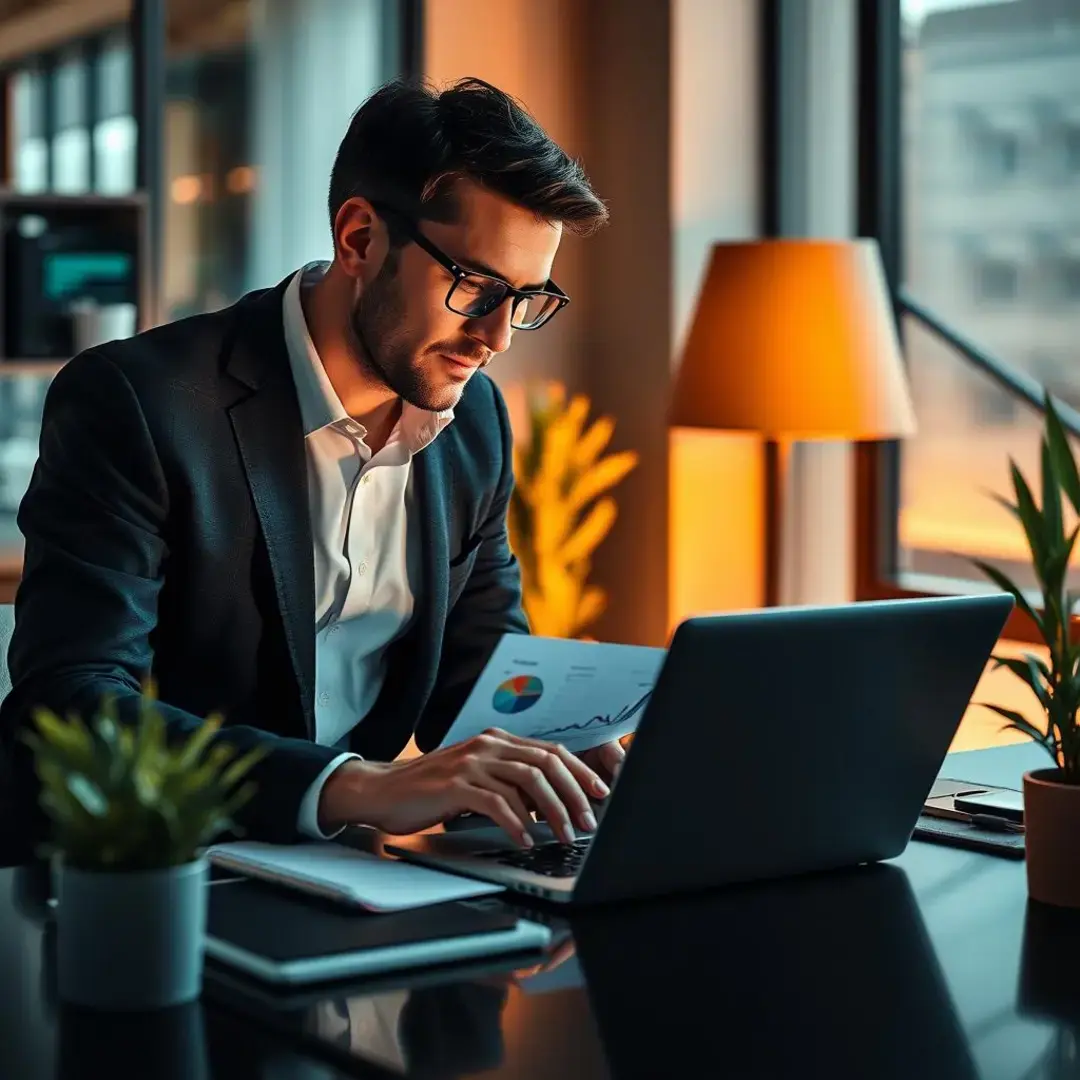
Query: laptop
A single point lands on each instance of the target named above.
(776, 742)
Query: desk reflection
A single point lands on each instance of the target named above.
(832, 975)
(826, 976)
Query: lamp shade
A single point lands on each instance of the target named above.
(795, 339)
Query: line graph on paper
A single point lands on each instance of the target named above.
(611, 727)
(576, 693)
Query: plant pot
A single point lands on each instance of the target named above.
(1051, 826)
(131, 940)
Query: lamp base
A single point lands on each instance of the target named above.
(777, 461)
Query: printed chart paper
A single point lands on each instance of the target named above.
(578, 693)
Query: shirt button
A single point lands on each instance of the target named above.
(324, 698)
(362, 569)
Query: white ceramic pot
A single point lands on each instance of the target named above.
(131, 940)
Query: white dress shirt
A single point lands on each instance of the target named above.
(366, 542)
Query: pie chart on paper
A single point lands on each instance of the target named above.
(517, 694)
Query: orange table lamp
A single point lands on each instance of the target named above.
(795, 340)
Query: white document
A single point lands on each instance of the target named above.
(351, 877)
(578, 693)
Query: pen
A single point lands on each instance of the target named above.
(993, 823)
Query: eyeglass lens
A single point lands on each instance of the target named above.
(476, 296)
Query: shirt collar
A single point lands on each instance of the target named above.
(320, 406)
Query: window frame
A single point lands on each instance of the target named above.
(879, 214)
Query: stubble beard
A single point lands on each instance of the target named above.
(377, 331)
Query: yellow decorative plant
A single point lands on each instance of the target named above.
(561, 509)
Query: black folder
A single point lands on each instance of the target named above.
(280, 936)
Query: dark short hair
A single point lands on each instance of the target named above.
(409, 142)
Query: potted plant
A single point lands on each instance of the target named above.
(561, 509)
(1051, 795)
(131, 816)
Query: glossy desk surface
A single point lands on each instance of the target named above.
(933, 966)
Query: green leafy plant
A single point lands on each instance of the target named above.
(121, 798)
(561, 509)
(1057, 684)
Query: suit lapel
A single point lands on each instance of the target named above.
(269, 433)
(432, 480)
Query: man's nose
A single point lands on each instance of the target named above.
(493, 330)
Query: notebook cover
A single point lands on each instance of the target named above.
(283, 926)
(960, 834)
(342, 873)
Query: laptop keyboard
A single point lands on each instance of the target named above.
(551, 859)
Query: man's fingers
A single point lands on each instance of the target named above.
(584, 776)
(563, 780)
(497, 806)
(532, 780)
(612, 755)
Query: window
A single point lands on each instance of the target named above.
(30, 147)
(995, 280)
(115, 136)
(1068, 274)
(1010, 287)
(71, 138)
(1070, 148)
(997, 155)
(258, 98)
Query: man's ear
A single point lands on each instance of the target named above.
(361, 241)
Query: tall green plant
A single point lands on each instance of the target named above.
(1057, 684)
(121, 798)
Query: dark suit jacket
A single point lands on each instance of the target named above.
(167, 532)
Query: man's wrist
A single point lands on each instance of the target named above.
(345, 797)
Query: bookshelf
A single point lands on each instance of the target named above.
(54, 250)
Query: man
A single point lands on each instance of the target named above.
(294, 510)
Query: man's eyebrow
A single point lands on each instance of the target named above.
(482, 268)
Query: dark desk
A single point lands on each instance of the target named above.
(930, 967)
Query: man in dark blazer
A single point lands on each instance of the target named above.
(293, 511)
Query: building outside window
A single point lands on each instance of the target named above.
(1009, 74)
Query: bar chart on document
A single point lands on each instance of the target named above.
(578, 693)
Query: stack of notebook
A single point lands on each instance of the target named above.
(310, 912)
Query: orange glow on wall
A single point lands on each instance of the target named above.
(716, 526)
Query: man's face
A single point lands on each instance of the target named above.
(400, 326)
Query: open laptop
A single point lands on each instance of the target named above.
(775, 742)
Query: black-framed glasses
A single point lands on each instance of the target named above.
(475, 295)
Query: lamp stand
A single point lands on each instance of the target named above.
(777, 460)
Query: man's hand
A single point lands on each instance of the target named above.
(496, 774)
(605, 760)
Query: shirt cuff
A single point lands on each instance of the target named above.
(308, 819)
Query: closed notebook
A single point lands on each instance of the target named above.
(348, 876)
(292, 939)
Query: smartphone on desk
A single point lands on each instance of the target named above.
(957, 800)
(998, 802)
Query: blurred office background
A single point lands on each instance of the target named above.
(947, 129)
